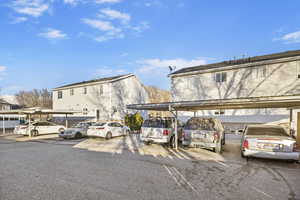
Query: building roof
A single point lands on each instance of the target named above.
(285, 54)
(106, 79)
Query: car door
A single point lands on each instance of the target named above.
(119, 129)
(113, 129)
(41, 127)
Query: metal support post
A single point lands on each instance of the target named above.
(175, 114)
(3, 124)
(29, 125)
(67, 121)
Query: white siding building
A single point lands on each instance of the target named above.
(103, 99)
(268, 75)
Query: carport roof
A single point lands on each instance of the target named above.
(36, 111)
(217, 104)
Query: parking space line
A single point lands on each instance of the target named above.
(182, 154)
(184, 179)
(172, 175)
(177, 155)
(262, 192)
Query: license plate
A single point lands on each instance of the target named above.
(275, 147)
(198, 136)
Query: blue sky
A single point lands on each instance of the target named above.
(47, 43)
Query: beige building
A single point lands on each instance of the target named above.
(261, 76)
(103, 99)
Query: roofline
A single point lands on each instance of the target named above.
(235, 66)
(93, 83)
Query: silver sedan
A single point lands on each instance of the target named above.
(77, 131)
(268, 141)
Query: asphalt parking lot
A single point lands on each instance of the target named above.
(48, 167)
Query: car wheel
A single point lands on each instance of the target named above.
(108, 136)
(147, 143)
(218, 148)
(223, 141)
(78, 135)
(172, 142)
(61, 130)
(34, 133)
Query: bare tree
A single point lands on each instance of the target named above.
(35, 98)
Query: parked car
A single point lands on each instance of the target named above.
(160, 131)
(204, 133)
(108, 130)
(38, 128)
(77, 131)
(268, 141)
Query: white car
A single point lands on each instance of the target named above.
(108, 130)
(268, 141)
(38, 128)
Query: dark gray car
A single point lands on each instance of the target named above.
(77, 131)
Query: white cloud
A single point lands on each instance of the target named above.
(19, 20)
(108, 30)
(114, 14)
(141, 27)
(100, 25)
(34, 8)
(2, 68)
(53, 34)
(107, 1)
(158, 66)
(71, 2)
(293, 37)
(106, 71)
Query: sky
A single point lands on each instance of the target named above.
(49, 43)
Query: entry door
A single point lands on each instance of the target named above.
(298, 129)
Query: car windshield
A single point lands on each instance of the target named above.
(157, 123)
(200, 124)
(99, 124)
(270, 131)
(80, 125)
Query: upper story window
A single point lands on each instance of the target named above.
(101, 89)
(71, 92)
(220, 112)
(221, 77)
(59, 95)
(85, 90)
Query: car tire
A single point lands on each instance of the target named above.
(108, 136)
(223, 141)
(61, 130)
(147, 143)
(34, 133)
(218, 148)
(78, 135)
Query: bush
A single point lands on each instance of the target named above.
(134, 121)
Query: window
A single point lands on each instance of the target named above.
(221, 77)
(85, 90)
(72, 92)
(101, 89)
(59, 95)
(298, 70)
(220, 112)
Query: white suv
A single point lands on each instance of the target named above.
(160, 131)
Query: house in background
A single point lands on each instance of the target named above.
(260, 76)
(101, 99)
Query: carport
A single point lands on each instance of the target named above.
(288, 102)
(29, 112)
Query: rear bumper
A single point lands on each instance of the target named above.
(198, 144)
(66, 136)
(155, 140)
(272, 155)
